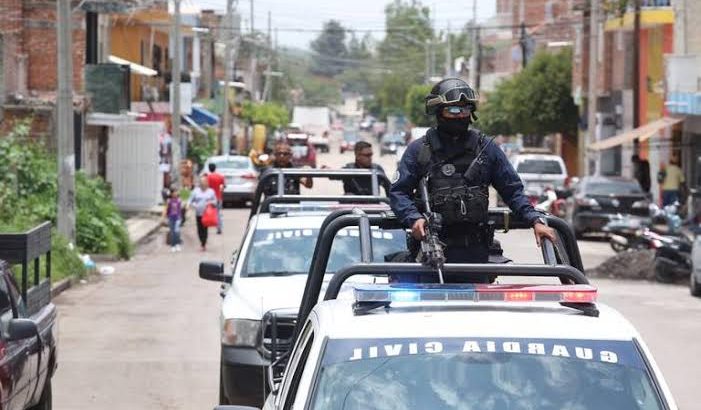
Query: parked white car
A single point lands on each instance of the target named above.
(540, 170)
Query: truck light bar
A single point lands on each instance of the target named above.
(474, 293)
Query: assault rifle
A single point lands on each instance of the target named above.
(431, 252)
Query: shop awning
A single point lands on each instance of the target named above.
(641, 133)
(203, 116)
(135, 68)
(194, 125)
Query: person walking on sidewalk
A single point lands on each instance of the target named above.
(171, 212)
(216, 181)
(200, 197)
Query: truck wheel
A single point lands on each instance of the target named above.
(222, 397)
(45, 400)
(694, 286)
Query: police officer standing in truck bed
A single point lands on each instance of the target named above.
(458, 191)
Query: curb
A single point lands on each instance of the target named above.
(62, 285)
(141, 240)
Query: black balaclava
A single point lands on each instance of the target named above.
(454, 127)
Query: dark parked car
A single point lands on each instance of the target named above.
(597, 200)
(349, 140)
(27, 322)
(390, 143)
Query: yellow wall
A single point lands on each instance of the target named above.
(126, 40)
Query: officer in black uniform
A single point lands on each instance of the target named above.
(363, 160)
(283, 159)
(457, 190)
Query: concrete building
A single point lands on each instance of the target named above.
(683, 84)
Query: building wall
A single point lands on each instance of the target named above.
(29, 49)
(39, 41)
(132, 41)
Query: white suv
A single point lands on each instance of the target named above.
(539, 170)
(268, 274)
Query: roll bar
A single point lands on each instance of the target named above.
(566, 252)
(342, 199)
(378, 180)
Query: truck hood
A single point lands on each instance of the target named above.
(250, 298)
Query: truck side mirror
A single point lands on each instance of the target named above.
(213, 271)
(19, 329)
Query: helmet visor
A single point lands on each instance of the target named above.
(453, 96)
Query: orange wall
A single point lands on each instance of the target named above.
(126, 43)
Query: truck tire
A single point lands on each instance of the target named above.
(45, 400)
(222, 397)
(694, 285)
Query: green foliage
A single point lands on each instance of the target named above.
(272, 115)
(100, 227)
(408, 26)
(330, 50)
(28, 192)
(537, 101)
(202, 147)
(414, 105)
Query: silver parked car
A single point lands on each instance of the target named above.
(240, 174)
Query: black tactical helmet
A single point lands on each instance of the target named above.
(451, 91)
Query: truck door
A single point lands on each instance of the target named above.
(16, 363)
(34, 378)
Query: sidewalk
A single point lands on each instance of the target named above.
(143, 224)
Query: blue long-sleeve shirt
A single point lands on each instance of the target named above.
(498, 172)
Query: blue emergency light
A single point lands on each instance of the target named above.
(394, 293)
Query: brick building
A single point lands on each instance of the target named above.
(29, 61)
(549, 24)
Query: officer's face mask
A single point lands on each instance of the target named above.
(454, 120)
(454, 126)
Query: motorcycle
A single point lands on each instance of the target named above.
(673, 258)
(629, 233)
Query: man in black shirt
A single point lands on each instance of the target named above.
(363, 160)
(283, 159)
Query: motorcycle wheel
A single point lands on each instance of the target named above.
(664, 273)
(618, 247)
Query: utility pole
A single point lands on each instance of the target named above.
(268, 71)
(175, 93)
(473, 60)
(448, 54)
(252, 18)
(226, 118)
(478, 76)
(524, 46)
(592, 86)
(65, 215)
(428, 62)
(636, 65)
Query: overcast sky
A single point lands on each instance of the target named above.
(357, 14)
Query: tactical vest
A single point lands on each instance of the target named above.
(459, 198)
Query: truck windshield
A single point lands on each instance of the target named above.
(483, 375)
(289, 251)
(539, 166)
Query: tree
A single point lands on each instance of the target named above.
(415, 107)
(271, 115)
(537, 101)
(330, 57)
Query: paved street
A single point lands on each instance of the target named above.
(147, 336)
